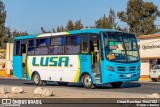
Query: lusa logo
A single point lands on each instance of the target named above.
(50, 61)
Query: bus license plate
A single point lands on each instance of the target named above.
(128, 75)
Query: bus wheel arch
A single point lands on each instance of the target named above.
(82, 76)
(87, 80)
(36, 78)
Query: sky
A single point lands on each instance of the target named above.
(31, 15)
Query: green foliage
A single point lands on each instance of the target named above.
(2, 24)
(19, 33)
(107, 22)
(78, 25)
(60, 29)
(140, 16)
(70, 25)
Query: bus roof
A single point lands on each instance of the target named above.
(65, 33)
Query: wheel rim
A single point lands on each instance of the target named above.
(87, 81)
(36, 79)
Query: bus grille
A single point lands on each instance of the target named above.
(121, 68)
(133, 68)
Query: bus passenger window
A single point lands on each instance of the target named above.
(73, 40)
(31, 51)
(41, 50)
(57, 41)
(72, 49)
(54, 50)
(31, 47)
(72, 44)
(84, 44)
(42, 42)
(17, 48)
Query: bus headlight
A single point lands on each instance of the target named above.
(110, 68)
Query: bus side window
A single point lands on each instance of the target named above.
(31, 47)
(56, 45)
(84, 44)
(72, 44)
(42, 46)
(17, 48)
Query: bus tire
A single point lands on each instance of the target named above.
(44, 82)
(88, 82)
(116, 84)
(37, 79)
(62, 83)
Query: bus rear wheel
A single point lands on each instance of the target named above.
(62, 83)
(37, 79)
(88, 82)
(116, 84)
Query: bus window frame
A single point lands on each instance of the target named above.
(85, 34)
(31, 46)
(77, 34)
(56, 45)
(49, 37)
(15, 48)
(35, 46)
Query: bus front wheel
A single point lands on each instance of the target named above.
(87, 81)
(116, 84)
(37, 79)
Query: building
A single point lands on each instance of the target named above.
(149, 52)
(6, 60)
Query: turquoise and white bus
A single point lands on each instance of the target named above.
(88, 56)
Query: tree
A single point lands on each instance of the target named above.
(43, 31)
(140, 16)
(107, 22)
(2, 24)
(60, 29)
(70, 25)
(78, 25)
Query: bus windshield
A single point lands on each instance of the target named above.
(121, 47)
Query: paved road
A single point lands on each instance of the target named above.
(128, 87)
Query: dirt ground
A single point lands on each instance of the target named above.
(69, 93)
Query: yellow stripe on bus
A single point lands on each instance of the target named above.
(28, 69)
(78, 72)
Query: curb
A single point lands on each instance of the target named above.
(8, 77)
(144, 79)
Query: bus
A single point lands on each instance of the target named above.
(87, 56)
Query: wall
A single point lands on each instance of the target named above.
(145, 66)
(153, 45)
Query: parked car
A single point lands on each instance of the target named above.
(155, 73)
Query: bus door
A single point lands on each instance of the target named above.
(95, 56)
(23, 53)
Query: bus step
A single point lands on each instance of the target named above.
(95, 70)
(97, 75)
(98, 80)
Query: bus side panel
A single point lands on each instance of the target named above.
(85, 62)
(17, 66)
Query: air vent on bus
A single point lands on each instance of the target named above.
(133, 68)
(121, 68)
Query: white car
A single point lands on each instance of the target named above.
(155, 73)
